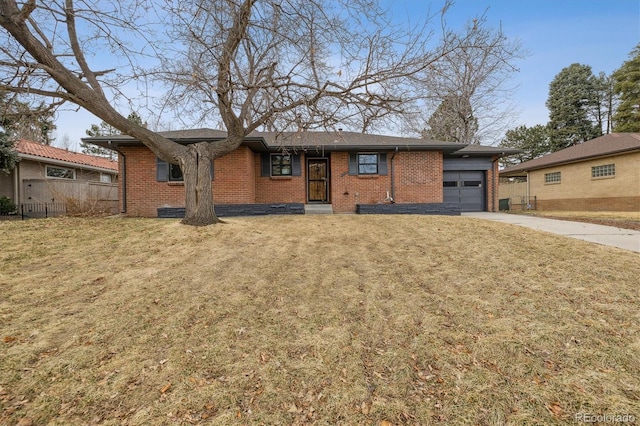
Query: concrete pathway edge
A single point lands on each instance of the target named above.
(626, 239)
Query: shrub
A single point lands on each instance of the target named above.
(7, 206)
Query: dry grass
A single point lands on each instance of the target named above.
(596, 215)
(627, 220)
(313, 320)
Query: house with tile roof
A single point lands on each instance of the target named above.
(602, 174)
(45, 174)
(305, 172)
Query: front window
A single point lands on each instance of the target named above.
(280, 165)
(175, 174)
(60, 172)
(606, 170)
(106, 178)
(553, 177)
(367, 164)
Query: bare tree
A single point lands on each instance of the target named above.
(475, 74)
(21, 119)
(252, 64)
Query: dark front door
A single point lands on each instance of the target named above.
(318, 180)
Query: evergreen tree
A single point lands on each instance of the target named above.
(626, 85)
(8, 156)
(135, 118)
(105, 129)
(573, 103)
(534, 141)
(453, 121)
(20, 120)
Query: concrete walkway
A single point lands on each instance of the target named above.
(608, 235)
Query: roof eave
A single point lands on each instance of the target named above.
(56, 162)
(254, 143)
(362, 147)
(562, 163)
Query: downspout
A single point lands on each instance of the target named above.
(493, 181)
(528, 191)
(16, 184)
(393, 187)
(123, 178)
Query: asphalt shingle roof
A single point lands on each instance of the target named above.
(44, 151)
(611, 144)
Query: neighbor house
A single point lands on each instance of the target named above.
(45, 174)
(340, 172)
(602, 174)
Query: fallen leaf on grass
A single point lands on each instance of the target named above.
(555, 409)
(165, 388)
(9, 339)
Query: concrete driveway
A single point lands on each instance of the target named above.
(608, 235)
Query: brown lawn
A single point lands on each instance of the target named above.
(625, 220)
(322, 320)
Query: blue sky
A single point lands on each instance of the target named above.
(556, 33)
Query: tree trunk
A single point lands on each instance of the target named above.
(196, 171)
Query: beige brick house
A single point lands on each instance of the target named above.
(602, 174)
(340, 172)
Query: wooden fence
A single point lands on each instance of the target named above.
(79, 196)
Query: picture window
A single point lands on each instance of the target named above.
(60, 172)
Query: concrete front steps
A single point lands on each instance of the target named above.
(318, 209)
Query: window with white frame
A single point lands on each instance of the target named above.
(605, 170)
(106, 178)
(553, 177)
(60, 172)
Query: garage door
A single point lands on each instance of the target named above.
(465, 189)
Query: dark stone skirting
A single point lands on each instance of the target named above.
(414, 208)
(228, 210)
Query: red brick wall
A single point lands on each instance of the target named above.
(493, 187)
(238, 180)
(417, 179)
(283, 189)
(234, 177)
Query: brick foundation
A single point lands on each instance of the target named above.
(618, 204)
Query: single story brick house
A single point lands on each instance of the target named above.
(602, 174)
(45, 174)
(342, 172)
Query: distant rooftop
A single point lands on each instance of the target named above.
(607, 145)
(44, 151)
